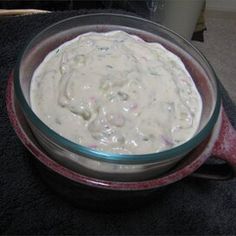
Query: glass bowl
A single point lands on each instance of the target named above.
(106, 165)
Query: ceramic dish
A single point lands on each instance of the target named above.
(95, 193)
(220, 143)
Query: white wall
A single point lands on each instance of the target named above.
(221, 5)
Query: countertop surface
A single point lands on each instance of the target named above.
(28, 206)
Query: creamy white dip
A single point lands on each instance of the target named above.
(115, 92)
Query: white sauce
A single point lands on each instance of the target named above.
(115, 92)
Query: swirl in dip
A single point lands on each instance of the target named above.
(115, 92)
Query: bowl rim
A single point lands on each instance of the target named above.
(106, 156)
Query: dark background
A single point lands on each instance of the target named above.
(61, 5)
(138, 7)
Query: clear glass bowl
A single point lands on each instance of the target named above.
(102, 164)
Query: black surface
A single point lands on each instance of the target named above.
(28, 206)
